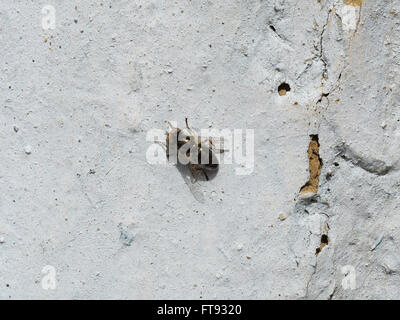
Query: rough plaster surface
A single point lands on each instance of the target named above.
(76, 192)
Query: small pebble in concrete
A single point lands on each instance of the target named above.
(28, 149)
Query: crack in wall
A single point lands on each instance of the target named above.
(324, 242)
(305, 207)
(321, 48)
(278, 34)
(329, 87)
(309, 280)
(333, 292)
(321, 55)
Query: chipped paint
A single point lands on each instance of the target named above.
(350, 17)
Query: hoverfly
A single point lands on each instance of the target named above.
(189, 149)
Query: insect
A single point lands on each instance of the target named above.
(199, 153)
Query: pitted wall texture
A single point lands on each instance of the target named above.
(76, 190)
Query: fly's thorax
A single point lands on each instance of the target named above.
(187, 136)
(187, 153)
(186, 147)
(206, 157)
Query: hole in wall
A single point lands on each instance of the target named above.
(324, 242)
(328, 176)
(315, 165)
(283, 88)
(272, 28)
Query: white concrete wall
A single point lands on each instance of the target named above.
(76, 191)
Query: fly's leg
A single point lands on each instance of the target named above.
(191, 131)
(163, 144)
(212, 144)
(193, 171)
(205, 174)
(170, 124)
(219, 150)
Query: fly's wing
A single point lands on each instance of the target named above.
(215, 143)
(190, 180)
(217, 140)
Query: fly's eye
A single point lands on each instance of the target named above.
(187, 138)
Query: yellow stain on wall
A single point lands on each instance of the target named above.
(315, 165)
(354, 3)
